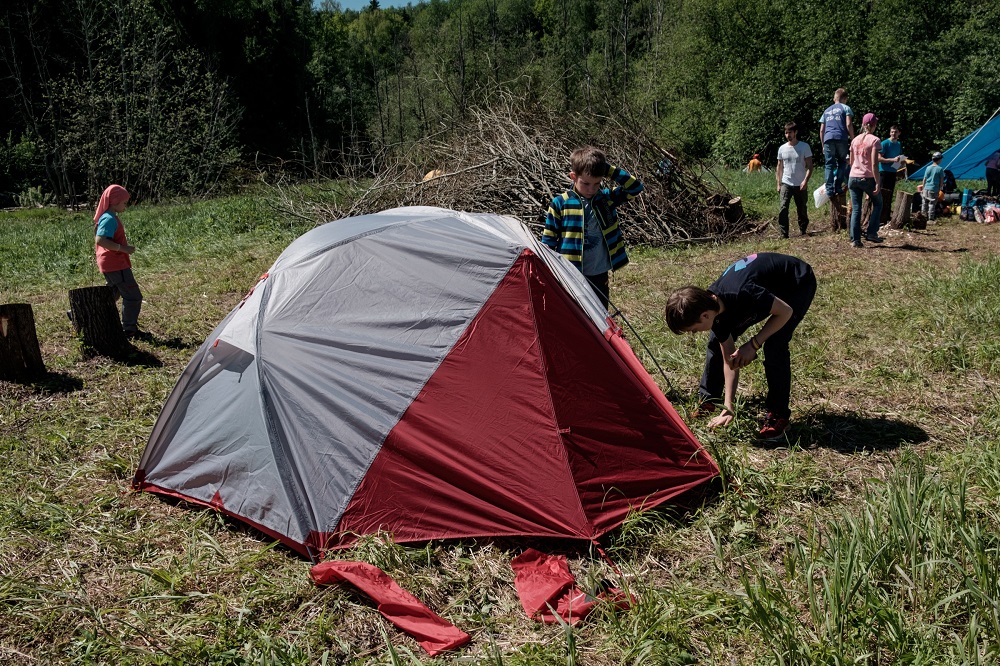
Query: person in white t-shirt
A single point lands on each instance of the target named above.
(795, 165)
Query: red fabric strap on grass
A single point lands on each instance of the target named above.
(404, 610)
(545, 584)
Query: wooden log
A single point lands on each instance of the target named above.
(734, 211)
(838, 212)
(94, 313)
(20, 356)
(901, 210)
(866, 213)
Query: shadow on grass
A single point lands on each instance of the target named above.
(51, 382)
(132, 356)
(171, 343)
(851, 433)
(917, 248)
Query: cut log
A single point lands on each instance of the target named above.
(866, 213)
(20, 357)
(734, 214)
(901, 210)
(95, 317)
(838, 212)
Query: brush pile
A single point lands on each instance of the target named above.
(508, 161)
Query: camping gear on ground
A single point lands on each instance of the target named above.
(433, 632)
(424, 372)
(548, 590)
(967, 158)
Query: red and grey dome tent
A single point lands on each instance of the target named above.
(425, 372)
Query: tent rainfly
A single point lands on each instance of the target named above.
(424, 372)
(967, 158)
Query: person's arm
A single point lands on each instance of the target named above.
(628, 188)
(553, 226)
(875, 170)
(809, 173)
(781, 312)
(822, 132)
(732, 377)
(110, 244)
(850, 127)
(779, 171)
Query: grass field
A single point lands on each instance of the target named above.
(872, 536)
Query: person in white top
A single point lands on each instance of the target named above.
(795, 165)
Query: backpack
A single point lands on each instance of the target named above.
(949, 182)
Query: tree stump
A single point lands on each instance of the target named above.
(734, 214)
(866, 213)
(901, 210)
(20, 357)
(95, 317)
(838, 212)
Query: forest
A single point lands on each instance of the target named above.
(186, 98)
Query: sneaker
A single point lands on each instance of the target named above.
(774, 427)
(874, 239)
(857, 244)
(704, 409)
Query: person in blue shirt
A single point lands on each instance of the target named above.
(888, 165)
(836, 131)
(931, 185)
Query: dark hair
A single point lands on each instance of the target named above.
(791, 126)
(686, 305)
(895, 127)
(589, 161)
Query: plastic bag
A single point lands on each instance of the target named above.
(819, 196)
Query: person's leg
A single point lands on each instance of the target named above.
(777, 359)
(856, 185)
(875, 219)
(713, 381)
(785, 197)
(829, 168)
(843, 168)
(801, 208)
(599, 283)
(124, 282)
(932, 201)
(888, 192)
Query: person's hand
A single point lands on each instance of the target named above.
(878, 188)
(779, 188)
(128, 249)
(723, 419)
(743, 356)
(804, 186)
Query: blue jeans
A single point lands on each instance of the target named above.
(859, 187)
(835, 155)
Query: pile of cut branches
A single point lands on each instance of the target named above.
(509, 161)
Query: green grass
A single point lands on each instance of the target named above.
(871, 536)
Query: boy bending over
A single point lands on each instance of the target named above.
(766, 285)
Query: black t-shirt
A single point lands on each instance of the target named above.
(748, 288)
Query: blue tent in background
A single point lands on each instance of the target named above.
(967, 158)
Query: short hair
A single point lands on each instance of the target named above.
(588, 161)
(895, 127)
(686, 305)
(839, 94)
(791, 126)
